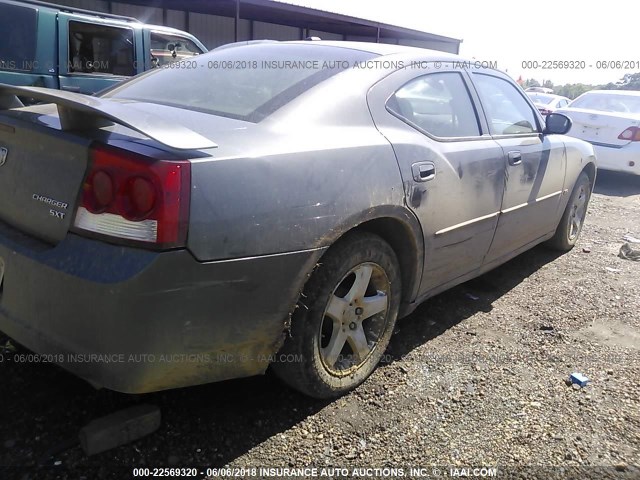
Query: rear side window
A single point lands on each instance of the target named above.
(246, 83)
(101, 49)
(508, 113)
(439, 104)
(167, 48)
(18, 29)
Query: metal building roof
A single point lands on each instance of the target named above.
(300, 17)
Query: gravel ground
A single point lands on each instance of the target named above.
(475, 377)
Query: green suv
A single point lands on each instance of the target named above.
(47, 45)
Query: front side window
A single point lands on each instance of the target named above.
(439, 104)
(508, 113)
(101, 49)
(18, 26)
(167, 48)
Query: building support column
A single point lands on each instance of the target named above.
(237, 22)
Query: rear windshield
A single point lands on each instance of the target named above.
(18, 30)
(540, 98)
(246, 83)
(608, 103)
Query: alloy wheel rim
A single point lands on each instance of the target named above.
(578, 211)
(354, 319)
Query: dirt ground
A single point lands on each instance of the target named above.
(475, 377)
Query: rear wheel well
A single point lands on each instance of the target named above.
(402, 240)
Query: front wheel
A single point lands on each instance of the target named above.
(572, 220)
(345, 319)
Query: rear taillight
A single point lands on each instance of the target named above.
(129, 196)
(631, 134)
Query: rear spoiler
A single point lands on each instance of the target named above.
(79, 112)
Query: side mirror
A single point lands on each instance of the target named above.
(557, 123)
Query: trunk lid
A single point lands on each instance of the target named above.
(42, 167)
(601, 127)
(40, 178)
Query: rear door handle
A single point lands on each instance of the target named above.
(423, 171)
(515, 158)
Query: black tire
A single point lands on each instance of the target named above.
(334, 344)
(572, 220)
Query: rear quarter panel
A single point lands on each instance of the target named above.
(299, 179)
(293, 191)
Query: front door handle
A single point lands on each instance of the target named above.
(515, 158)
(423, 171)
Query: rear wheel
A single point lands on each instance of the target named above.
(348, 312)
(572, 220)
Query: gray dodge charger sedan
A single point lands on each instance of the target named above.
(276, 204)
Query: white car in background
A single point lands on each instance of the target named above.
(547, 103)
(539, 90)
(610, 121)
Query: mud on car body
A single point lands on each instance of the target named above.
(254, 216)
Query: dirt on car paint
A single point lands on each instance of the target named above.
(475, 377)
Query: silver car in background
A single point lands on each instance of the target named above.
(547, 103)
(266, 205)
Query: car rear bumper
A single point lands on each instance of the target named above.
(136, 321)
(624, 159)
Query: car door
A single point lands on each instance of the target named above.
(94, 55)
(27, 55)
(453, 173)
(535, 165)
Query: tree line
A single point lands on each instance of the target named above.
(631, 81)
